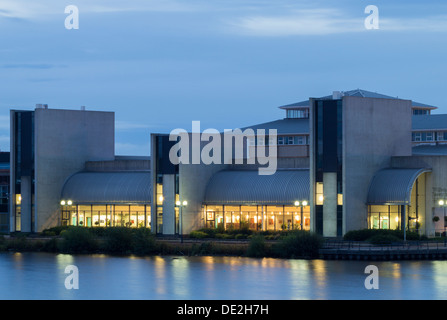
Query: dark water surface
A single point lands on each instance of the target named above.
(42, 276)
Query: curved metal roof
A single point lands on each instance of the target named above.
(393, 186)
(248, 187)
(108, 188)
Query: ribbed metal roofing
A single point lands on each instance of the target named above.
(108, 188)
(429, 122)
(393, 186)
(356, 93)
(284, 126)
(248, 187)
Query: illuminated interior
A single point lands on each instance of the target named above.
(106, 215)
(257, 217)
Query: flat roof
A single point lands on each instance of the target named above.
(430, 150)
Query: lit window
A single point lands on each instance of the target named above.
(319, 193)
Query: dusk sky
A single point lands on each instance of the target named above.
(229, 63)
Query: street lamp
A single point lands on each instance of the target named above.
(181, 205)
(301, 204)
(65, 213)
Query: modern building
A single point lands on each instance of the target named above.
(346, 161)
(47, 147)
(4, 192)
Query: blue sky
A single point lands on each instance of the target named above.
(230, 63)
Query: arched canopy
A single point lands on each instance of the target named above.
(108, 188)
(249, 188)
(393, 186)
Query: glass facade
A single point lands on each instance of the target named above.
(384, 217)
(133, 216)
(24, 165)
(298, 113)
(328, 135)
(257, 217)
(428, 136)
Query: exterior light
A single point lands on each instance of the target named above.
(183, 204)
(304, 203)
(160, 198)
(69, 202)
(321, 198)
(62, 202)
(397, 219)
(441, 202)
(297, 203)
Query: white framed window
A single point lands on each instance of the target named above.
(429, 136)
(440, 136)
(280, 140)
(417, 137)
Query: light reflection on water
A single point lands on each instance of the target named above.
(41, 276)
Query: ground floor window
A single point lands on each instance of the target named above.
(384, 217)
(107, 215)
(257, 217)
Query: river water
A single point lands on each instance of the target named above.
(42, 276)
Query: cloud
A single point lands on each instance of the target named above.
(33, 10)
(328, 21)
(437, 23)
(302, 22)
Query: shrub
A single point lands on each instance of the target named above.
(143, 242)
(366, 234)
(78, 240)
(3, 246)
(198, 235)
(205, 248)
(383, 239)
(50, 245)
(299, 244)
(118, 240)
(257, 247)
(54, 231)
(240, 236)
(211, 232)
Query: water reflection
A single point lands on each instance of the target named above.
(41, 276)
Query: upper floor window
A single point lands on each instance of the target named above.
(427, 136)
(298, 114)
(293, 140)
(420, 111)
